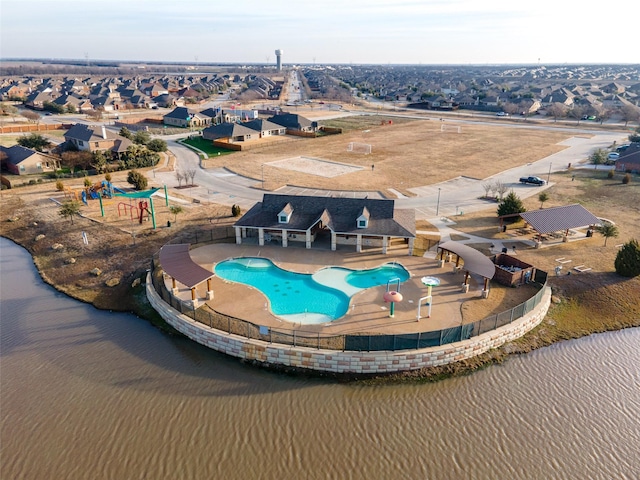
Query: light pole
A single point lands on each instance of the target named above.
(549, 174)
(262, 166)
(438, 204)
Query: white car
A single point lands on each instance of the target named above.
(502, 114)
(613, 156)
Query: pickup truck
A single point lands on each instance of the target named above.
(532, 180)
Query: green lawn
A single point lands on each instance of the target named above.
(206, 146)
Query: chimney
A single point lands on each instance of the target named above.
(104, 132)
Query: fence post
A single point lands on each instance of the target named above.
(294, 338)
(229, 325)
(418, 340)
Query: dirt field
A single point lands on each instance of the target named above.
(405, 154)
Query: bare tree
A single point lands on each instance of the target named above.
(576, 112)
(190, 174)
(629, 113)
(179, 177)
(33, 117)
(488, 186)
(501, 188)
(557, 110)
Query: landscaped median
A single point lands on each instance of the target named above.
(344, 362)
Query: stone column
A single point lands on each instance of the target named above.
(261, 237)
(238, 235)
(411, 242)
(385, 239)
(358, 243)
(308, 238)
(285, 239)
(333, 241)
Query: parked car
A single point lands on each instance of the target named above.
(622, 148)
(502, 114)
(613, 156)
(532, 180)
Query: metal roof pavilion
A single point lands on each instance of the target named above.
(554, 219)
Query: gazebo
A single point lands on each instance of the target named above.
(547, 221)
(473, 262)
(176, 262)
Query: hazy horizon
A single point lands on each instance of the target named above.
(372, 32)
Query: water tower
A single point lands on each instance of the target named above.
(279, 59)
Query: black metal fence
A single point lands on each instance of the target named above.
(363, 342)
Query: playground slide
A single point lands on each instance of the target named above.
(118, 190)
(94, 195)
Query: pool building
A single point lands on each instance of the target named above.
(361, 222)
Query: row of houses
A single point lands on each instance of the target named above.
(130, 92)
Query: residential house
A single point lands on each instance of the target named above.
(265, 127)
(94, 138)
(293, 122)
(229, 133)
(25, 161)
(330, 221)
(186, 118)
(629, 160)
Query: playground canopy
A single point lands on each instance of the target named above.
(142, 194)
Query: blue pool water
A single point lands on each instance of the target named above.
(305, 298)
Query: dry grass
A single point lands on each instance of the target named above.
(406, 154)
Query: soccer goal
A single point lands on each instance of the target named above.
(355, 147)
(444, 127)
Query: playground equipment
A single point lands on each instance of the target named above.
(143, 206)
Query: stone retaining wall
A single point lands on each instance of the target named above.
(338, 361)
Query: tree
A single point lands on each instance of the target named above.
(627, 261)
(543, 197)
(11, 110)
(626, 179)
(576, 112)
(488, 187)
(598, 157)
(34, 141)
(635, 137)
(236, 211)
(179, 177)
(126, 133)
(608, 230)
(501, 188)
(157, 145)
(557, 110)
(511, 204)
(95, 114)
(175, 210)
(69, 209)
(190, 174)
(77, 160)
(33, 117)
(141, 137)
(137, 179)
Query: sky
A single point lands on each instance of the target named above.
(324, 32)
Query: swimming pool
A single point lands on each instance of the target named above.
(304, 298)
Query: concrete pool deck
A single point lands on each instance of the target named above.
(367, 312)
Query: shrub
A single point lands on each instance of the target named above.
(511, 204)
(137, 179)
(627, 261)
(59, 186)
(626, 179)
(236, 211)
(610, 174)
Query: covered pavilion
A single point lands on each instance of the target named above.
(548, 221)
(177, 263)
(473, 262)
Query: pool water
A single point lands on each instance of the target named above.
(304, 298)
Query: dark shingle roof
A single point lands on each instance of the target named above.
(226, 130)
(338, 214)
